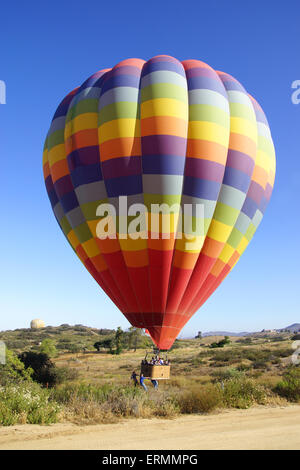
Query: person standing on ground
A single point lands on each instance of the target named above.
(134, 378)
(142, 378)
(154, 383)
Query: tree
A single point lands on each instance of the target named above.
(106, 343)
(199, 335)
(43, 367)
(14, 369)
(48, 347)
(220, 344)
(135, 338)
(118, 340)
(44, 370)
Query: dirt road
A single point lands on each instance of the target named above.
(256, 428)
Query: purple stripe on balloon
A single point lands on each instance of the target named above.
(124, 186)
(126, 70)
(237, 179)
(163, 58)
(86, 174)
(240, 161)
(69, 202)
(260, 116)
(204, 169)
(63, 185)
(201, 72)
(199, 83)
(95, 80)
(123, 166)
(163, 164)
(203, 189)
(49, 183)
(163, 144)
(53, 197)
(83, 156)
(233, 85)
(114, 81)
(64, 105)
(263, 205)
(250, 207)
(256, 192)
(170, 66)
(268, 191)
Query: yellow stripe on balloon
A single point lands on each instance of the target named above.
(204, 130)
(133, 245)
(244, 127)
(56, 154)
(73, 239)
(189, 245)
(263, 160)
(91, 248)
(119, 128)
(219, 231)
(81, 123)
(164, 107)
(226, 253)
(242, 245)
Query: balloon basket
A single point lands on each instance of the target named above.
(155, 372)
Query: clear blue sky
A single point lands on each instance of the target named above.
(48, 48)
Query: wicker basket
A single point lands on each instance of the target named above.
(156, 372)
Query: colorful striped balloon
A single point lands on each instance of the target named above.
(159, 132)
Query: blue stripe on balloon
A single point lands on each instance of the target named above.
(237, 179)
(86, 174)
(119, 81)
(163, 164)
(201, 188)
(122, 186)
(69, 202)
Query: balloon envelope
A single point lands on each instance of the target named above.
(159, 132)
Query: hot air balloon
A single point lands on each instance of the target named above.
(159, 132)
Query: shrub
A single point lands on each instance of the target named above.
(48, 347)
(242, 393)
(289, 387)
(26, 403)
(221, 344)
(14, 370)
(44, 370)
(200, 400)
(229, 373)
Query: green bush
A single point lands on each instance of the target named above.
(200, 400)
(26, 403)
(229, 373)
(295, 337)
(44, 370)
(242, 393)
(14, 370)
(48, 347)
(289, 387)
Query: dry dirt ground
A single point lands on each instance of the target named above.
(255, 428)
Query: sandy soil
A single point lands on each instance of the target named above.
(256, 428)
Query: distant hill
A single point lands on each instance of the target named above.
(224, 333)
(66, 337)
(294, 328)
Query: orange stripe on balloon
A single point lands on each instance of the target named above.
(85, 138)
(120, 147)
(206, 150)
(164, 125)
(59, 169)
